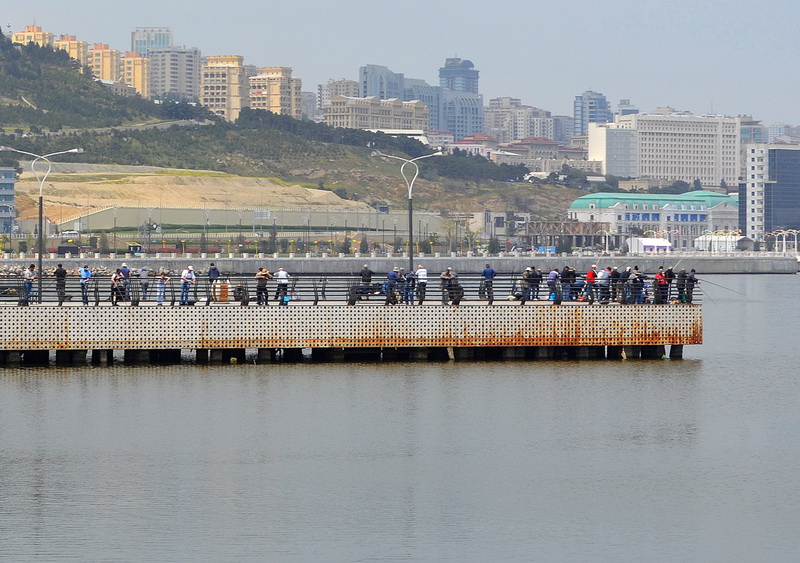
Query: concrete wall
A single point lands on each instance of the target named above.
(505, 265)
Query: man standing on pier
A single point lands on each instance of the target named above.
(488, 278)
(86, 279)
(126, 281)
(61, 284)
(29, 276)
(281, 293)
(187, 280)
(422, 282)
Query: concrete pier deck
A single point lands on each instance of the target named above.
(334, 330)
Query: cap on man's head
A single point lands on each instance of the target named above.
(594, 265)
(191, 268)
(124, 265)
(85, 266)
(528, 269)
(396, 269)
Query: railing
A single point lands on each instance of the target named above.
(318, 289)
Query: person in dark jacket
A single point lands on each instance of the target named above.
(366, 276)
(392, 278)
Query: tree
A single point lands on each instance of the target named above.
(346, 245)
(103, 243)
(697, 184)
(723, 184)
(494, 245)
(363, 246)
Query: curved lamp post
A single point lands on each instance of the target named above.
(410, 185)
(41, 179)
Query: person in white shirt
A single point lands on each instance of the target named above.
(187, 280)
(422, 283)
(282, 277)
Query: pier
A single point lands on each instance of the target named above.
(320, 325)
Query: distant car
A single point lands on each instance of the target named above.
(69, 233)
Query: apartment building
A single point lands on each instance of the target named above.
(273, 89)
(134, 71)
(507, 119)
(174, 73)
(769, 193)
(590, 107)
(33, 34)
(8, 213)
(78, 50)
(373, 113)
(669, 145)
(343, 87)
(145, 39)
(104, 62)
(224, 85)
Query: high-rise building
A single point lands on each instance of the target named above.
(224, 85)
(310, 109)
(590, 107)
(104, 62)
(507, 119)
(431, 96)
(343, 87)
(769, 194)
(458, 110)
(459, 75)
(175, 73)
(563, 128)
(134, 72)
(670, 146)
(78, 50)
(624, 107)
(775, 131)
(143, 39)
(273, 89)
(752, 131)
(377, 80)
(8, 212)
(33, 34)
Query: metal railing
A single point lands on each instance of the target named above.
(315, 289)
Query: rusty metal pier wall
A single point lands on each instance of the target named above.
(158, 334)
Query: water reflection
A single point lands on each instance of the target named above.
(604, 460)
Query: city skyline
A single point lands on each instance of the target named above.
(714, 57)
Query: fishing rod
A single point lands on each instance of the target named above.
(722, 286)
(711, 298)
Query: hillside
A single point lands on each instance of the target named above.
(47, 104)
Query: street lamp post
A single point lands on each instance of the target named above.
(41, 179)
(410, 185)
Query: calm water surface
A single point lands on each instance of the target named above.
(693, 460)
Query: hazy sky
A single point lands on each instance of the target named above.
(732, 57)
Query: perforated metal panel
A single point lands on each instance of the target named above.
(80, 328)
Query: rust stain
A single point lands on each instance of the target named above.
(349, 327)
